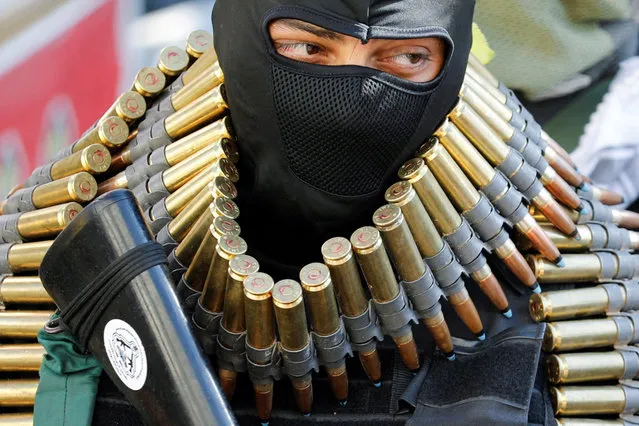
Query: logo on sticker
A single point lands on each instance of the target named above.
(126, 353)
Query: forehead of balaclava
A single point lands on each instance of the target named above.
(320, 144)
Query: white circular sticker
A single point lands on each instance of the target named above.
(126, 353)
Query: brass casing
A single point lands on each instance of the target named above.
(496, 121)
(119, 181)
(567, 304)
(476, 167)
(21, 357)
(16, 419)
(578, 268)
(421, 225)
(338, 257)
(18, 392)
(500, 108)
(80, 187)
(187, 248)
(585, 367)
(208, 58)
(173, 61)
(178, 200)
(482, 70)
(450, 176)
(210, 78)
(375, 264)
(541, 218)
(149, 81)
(479, 133)
(111, 132)
(204, 109)
(195, 274)
(27, 256)
(437, 204)
(195, 142)
(129, 106)
(582, 400)
(492, 90)
(240, 267)
(177, 175)
(566, 336)
(23, 289)
(22, 324)
(47, 222)
(320, 299)
(396, 235)
(198, 42)
(218, 272)
(290, 315)
(94, 159)
(258, 310)
(566, 243)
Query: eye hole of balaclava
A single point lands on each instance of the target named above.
(348, 108)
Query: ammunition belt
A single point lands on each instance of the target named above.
(9, 229)
(467, 247)
(39, 176)
(448, 272)
(521, 174)
(332, 349)
(206, 325)
(230, 350)
(149, 139)
(187, 295)
(5, 268)
(264, 365)
(396, 315)
(364, 329)
(158, 218)
(301, 362)
(424, 295)
(21, 201)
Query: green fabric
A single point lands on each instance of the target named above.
(538, 44)
(567, 126)
(68, 382)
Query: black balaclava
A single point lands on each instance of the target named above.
(320, 144)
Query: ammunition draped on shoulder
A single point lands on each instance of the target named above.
(37, 224)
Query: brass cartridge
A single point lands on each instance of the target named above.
(149, 81)
(16, 419)
(233, 319)
(482, 70)
(47, 222)
(111, 132)
(229, 245)
(204, 109)
(563, 168)
(338, 257)
(27, 256)
(197, 43)
(178, 200)
(583, 400)
(260, 332)
(585, 367)
(94, 159)
(421, 225)
(219, 187)
(21, 357)
(464, 195)
(23, 289)
(290, 316)
(22, 324)
(380, 278)
(566, 336)
(172, 61)
(187, 247)
(586, 267)
(177, 175)
(195, 142)
(18, 392)
(196, 273)
(118, 181)
(320, 299)
(129, 106)
(208, 58)
(210, 78)
(448, 221)
(80, 188)
(568, 304)
(625, 218)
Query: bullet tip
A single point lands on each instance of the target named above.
(560, 262)
(451, 357)
(575, 235)
(536, 288)
(377, 384)
(585, 187)
(623, 199)
(265, 423)
(343, 403)
(414, 372)
(507, 313)
(583, 209)
(307, 414)
(481, 336)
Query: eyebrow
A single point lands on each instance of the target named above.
(310, 28)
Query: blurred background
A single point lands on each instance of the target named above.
(63, 62)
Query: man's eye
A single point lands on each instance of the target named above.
(410, 59)
(297, 49)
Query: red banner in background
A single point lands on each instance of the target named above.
(48, 99)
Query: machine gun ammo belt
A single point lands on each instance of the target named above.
(396, 315)
(9, 229)
(364, 330)
(230, 350)
(264, 365)
(206, 325)
(332, 349)
(187, 295)
(424, 295)
(300, 362)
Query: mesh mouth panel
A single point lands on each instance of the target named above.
(341, 134)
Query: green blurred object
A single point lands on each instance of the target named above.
(567, 126)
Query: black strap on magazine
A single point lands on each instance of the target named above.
(83, 313)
